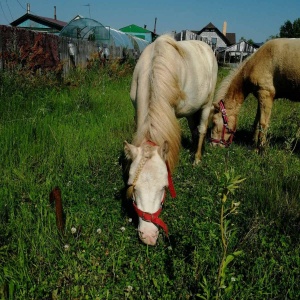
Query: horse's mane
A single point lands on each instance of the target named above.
(161, 123)
(225, 84)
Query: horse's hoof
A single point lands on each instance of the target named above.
(196, 162)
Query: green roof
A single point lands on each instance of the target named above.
(134, 28)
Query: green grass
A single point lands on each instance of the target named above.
(71, 135)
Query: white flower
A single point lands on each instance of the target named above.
(122, 229)
(99, 230)
(73, 230)
(129, 220)
(67, 247)
(129, 288)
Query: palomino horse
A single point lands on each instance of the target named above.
(171, 80)
(272, 72)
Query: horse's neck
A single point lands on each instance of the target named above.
(235, 95)
(159, 124)
(142, 105)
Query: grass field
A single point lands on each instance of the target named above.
(234, 225)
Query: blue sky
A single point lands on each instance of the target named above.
(254, 19)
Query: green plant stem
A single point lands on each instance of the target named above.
(224, 245)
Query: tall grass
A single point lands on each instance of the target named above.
(71, 135)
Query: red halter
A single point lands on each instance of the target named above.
(225, 128)
(154, 217)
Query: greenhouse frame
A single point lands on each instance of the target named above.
(114, 43)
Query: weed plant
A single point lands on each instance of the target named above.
(70, 134)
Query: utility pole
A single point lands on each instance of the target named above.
(89, 5)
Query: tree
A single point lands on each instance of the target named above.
(290, 30)
(271, 37)
(250, 41)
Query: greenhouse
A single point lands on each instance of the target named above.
(116, 43)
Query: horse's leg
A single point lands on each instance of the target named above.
(199, 126)
(266, 99)
(193, 122)
(256, 125)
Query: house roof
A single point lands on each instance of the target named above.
(209, 26)
(50, 22)
(229, 39)
(134, 28)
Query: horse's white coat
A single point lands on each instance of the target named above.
(149, 187)
(171, 80)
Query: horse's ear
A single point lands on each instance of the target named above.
(216, 106)
(131, 151)
(163, 150)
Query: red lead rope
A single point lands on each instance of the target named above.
(153, 218)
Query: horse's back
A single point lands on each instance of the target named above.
(187, 58)
(198, 77)
(280, 53)
(189, 67)
(277, 64)
(142, 69)
(202, 49)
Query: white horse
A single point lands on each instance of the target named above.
(171, 80)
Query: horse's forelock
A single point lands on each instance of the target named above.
(147, 151)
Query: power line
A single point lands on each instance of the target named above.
(21, 5)
(9, 10)
(25, 8)
(89, 5)
(3, 12)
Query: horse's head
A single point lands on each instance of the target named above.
(221, 133)
(148, 179)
